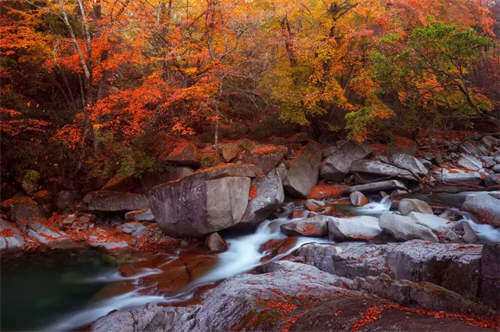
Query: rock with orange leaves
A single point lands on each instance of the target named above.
(10, 237)
(315, 226)
(304, 172)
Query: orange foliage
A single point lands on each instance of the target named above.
(253, 192)
(323, 191)
(7, 232)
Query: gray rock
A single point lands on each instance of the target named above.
(358, 199)
(303, 174)
(496, 168)
(197, 207)
(337, 165)
(375, 187)
(473, 148)
(329, 151)
(490, 275)
(238, 302)
(469, 234)
(489, 161)
(376, 167)
(489, 141)
(133, 228)
(453, 266)
(13, 241)
(408, 205)
(486, 207)
(265, 160)
(356, 228)
(492, 179)
(435, 223)
(456, 176)
(347, 259)
(405, 228)
(469, 162)
(110, 201)
(140, 215)
(270, 195)
(215, 242)
(410, 163)
(315, 226)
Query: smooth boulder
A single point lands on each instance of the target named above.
(197, 207)
(303, 174)
(356, 228)
(408, 205)
(435, 223)
(405, 228)
(358, 198)
(469, 162)
(486, 207)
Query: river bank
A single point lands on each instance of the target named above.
(404, 230)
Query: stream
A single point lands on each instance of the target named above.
(70, 289)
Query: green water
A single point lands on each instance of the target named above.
(36, 290)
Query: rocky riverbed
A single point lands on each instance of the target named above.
(345, 236)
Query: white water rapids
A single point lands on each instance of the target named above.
(242, 255)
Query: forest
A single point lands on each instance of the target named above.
(257, 165)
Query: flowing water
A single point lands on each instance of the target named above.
(64, 292)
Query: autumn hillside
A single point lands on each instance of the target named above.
(96, 90)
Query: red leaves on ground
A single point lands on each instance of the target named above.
(374, 313)
(323, 191)
(281, 306)
(6, 232)
(253, 192)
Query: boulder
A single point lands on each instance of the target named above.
(496, 168)
(472, 148)
(409, 163)
(215, 242)
(489, 141)
(456, 176)
(405, 228)
(197, 207)
(265, 157)
(140, 215)
(109, 201)
(230, 151)
(376, 167)
(185, 153)
(133, 228)
(469, 162)
(338, 163)
(486, 207)
(10, 237)
(169, 173)
(492, 179)
(489, 161)
(375, 187)
(303, 174)
(453, 266)
(358, 199)
(266, 195)
(435, 223)
(490, 275)
(408, 205)
(315, 226)
(356, 228)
